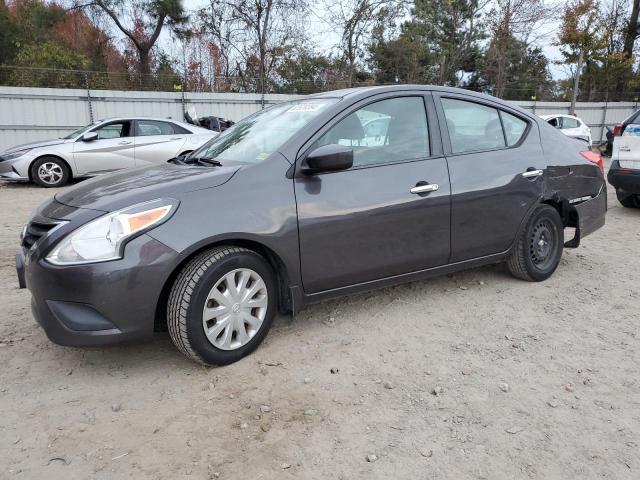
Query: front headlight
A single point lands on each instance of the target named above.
(16, 154)
(101, 239)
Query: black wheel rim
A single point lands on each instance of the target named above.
(542, 247)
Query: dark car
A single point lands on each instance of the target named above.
(294, 204)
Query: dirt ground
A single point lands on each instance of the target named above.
(475, 375)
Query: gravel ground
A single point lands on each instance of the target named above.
(473, 375)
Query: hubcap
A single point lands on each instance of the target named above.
(50, 173)
(235, 309)
(542, 247)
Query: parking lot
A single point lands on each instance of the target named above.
(471, 375)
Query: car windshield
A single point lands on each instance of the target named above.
(79, 131)
(254, 138)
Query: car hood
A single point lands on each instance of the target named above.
(129, 187)
(42, 143)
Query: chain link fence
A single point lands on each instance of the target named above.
(91, 80)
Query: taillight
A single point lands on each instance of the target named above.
(617, 129)
(594, 158)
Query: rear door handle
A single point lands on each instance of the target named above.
(176, 138)
(430, 187)
(532, 173)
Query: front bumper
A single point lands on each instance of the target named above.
(15, 169)
(101, 303)
(625, 179)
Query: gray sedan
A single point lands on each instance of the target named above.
(302, 202)
(101, 147)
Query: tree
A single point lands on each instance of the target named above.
(8, 35)
(270, 26)
(148, 19)
(49, 55)
(451, 31)
(510, 23)
(355, 20)
(400, 60)
(631, 33)
(578, 38)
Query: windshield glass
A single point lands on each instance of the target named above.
(254, 138)
(79, 131)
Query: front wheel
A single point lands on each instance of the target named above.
(221, 305)
(538, 249)
(628, 200)
(50, 172)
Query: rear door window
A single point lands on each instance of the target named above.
(146, 128)
(472, 126)
(514, 128)
(568, 122)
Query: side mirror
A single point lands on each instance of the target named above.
(90, 136)
(328, 158)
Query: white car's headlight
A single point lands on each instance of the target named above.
(102, 239)
(15, 154)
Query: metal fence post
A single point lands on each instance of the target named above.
(89, 102)
(604, 116)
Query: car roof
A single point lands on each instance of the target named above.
(158, 119)
(358, 93)
(395, 88)
(555, 115)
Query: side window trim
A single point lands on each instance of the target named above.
(434, 142)
(444, 129)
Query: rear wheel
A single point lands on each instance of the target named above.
(50, 172)
(539, 247)
(627, 200)
(221, 305)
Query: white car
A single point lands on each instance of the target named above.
(102, 147)
(570, 125)
(624, 172)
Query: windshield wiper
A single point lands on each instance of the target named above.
(182, 160)
(208, 161)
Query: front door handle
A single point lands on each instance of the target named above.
(532, 173)
(124, 142)
(430, 187)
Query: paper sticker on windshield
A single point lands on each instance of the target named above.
(306, 107)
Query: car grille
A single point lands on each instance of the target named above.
(37, 228)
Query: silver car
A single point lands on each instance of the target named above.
(101, 147)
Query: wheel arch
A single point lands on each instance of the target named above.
(274, 260)
(567, 212)
(67, 164)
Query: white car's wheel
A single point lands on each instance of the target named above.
(50, 172)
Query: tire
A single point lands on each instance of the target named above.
(627, 200)
(50, 172)
(192, 295)
(534, 261)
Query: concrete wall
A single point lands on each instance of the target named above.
(30, 114)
